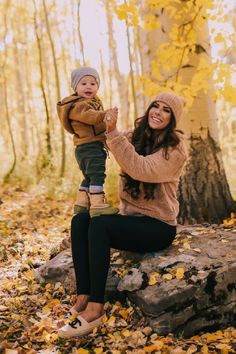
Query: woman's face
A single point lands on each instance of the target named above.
(159, 116)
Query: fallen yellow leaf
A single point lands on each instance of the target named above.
(187, 246)
(3, 308)
(167, 276)
(98, 350)
(179, 273)
(153, 277)
(125, 333)
(222, 346)
(191, 349)
(82, 351)
(204, 349)
(124, 314)
(111, 321)
(153, 347)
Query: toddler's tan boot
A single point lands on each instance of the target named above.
(82, 202)
(98, 205)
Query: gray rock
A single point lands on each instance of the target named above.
(206, 296)
(58, 269)
(132, 281)
(61, 269)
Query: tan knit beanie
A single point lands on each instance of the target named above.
(79, 73)
(176, 103)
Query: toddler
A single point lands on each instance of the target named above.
(82, 115)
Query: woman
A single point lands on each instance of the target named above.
(151, 158)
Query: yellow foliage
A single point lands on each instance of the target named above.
(126, 333)
(151, 22)
(98, 350)
(167, 276)
(128, 11)
(153, 278)
(179, 273)
(124, 314)
(154, 347)
(82, 351)
(230, 221)
(188, 24)
(219, 38)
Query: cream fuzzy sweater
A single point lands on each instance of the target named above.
(152, 168)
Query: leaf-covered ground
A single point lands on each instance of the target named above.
(31, 225)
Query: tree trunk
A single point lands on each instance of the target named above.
(204, 190)
(21, 112)
(131, 72)
(48, 136)
(120, 78)
(3, 67)
(79, 33)
(104, 74)
(63, 147)
(141, 70)
(32, 123)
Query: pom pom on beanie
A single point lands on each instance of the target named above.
(79, 73)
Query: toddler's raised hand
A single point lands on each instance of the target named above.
(115, 110)
(110, 120)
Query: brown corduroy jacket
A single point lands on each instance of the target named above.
(82, 117)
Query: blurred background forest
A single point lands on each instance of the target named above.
(139, 48)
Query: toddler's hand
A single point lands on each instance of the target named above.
(110, 120)
(115, 110)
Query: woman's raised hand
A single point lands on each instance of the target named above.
(111, 119)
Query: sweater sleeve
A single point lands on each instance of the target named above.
(152, 168)
(83, 112)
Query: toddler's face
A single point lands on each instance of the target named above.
(87, 87)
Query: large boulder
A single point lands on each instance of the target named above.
(189, 287)
(60, 269)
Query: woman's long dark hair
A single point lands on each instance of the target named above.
(146, 141)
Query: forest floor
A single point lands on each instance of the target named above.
(31, 226)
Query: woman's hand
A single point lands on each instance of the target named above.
(111, 119)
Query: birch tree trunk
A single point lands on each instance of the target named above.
(131, 72)
(5, 93)
(204, 191)
(79, 33)
(120, 78)
(142, 101)
(21, 112)
(46, 158)
(32, 128)
(142, 45)
(63, 146)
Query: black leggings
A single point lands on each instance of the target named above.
(92, 239)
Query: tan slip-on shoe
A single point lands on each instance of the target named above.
(73, 311)
(79, 327)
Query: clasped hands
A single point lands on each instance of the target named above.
(111, 119)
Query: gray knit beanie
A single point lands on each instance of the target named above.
(79, 73)
(176, 103)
